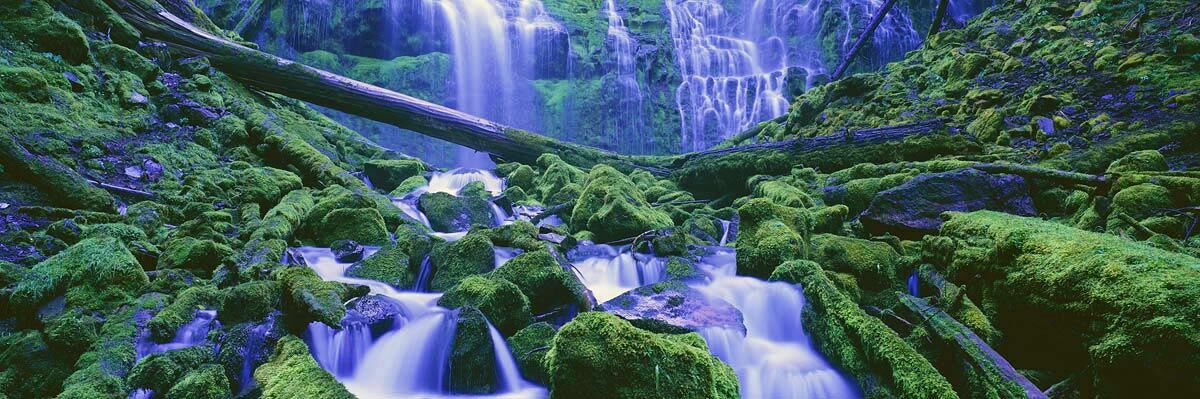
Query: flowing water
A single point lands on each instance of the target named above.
(610, 271)
(191, 334)
(628, 121)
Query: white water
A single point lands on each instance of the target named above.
(453, 181)
(627, 124)
(193, 333)
(893, 38)
(610, 271)
(411, 360)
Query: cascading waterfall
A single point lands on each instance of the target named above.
(453, 181)
(193, 333)
(893, 38)
(610, 271)
(627, 123)
(728, 84)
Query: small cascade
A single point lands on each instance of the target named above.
(408, 205)
(141, 393)
(913, 285)
(774, 359)
(412, 358)
(453, 181)
(628, 122)
(504, 254)
(726, 227)
(610, 271)
(256, 340)
(191, 334)
(425, 275)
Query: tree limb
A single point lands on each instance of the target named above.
(866, 35)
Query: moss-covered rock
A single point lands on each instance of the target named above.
(292, 373)
(198, 256)
(166, 322)
(388, 174)
(455, 261)
(555, 177)
(520, 234)
(544, 281)
(264, 186)
(882, 362)
(390, 265)
(622, 361)
(1067, 299)
(161, 371)
(500, 300)
(64, 185)
(873, 263)
(307, 298)
(250, 301)
(473, 357)
(364, 225)
(768, 235)
(72, 332)
(529, 347)
(448, 214)
(206, 382)
(612, 207)
(95, 273)
(50, 31)
(1139, 161)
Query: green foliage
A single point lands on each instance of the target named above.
(500, 300)
(622, 361)
(292, 373)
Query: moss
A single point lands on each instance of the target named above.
(164, 324)
(307, 298)
(883, 363)
(206, 382)
(415, 241)
(473, 356)
(500, 300)
(31, 368)
(364, 225)
(1141, 200)
(1139, 161)
(122, 58)
(202, 256)
(622, 361)
(100, 373)
(556, 175)
(544, 281)
(519, 234)
(161, 371)
(390, 265)
(263, 186)
(126, 233)
(62, 184)
(49, 31)
(1067, 298)
(251, 301)
(94, 274)
(612, 207)
(448, 214)
(830, 219)
(455, 261)
(769, 235)
(873, 263)
(409, 185)
(529, 347)
(292, 373)
(282, 220)
(72, 332)
(782, 193)
(387, 174)
(524, 177)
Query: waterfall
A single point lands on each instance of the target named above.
(627, 124)
(893, 38)
(195, 332)
(610, 271)
(913, 284)
(453, 181)
(424, 277)
(412, 359)
(732, 78)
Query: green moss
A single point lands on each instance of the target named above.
(544, 281)
(206, 382)
(390, 265)
(455, 261)
(555, 177)
(473, 357)
(122, 58)
(48, 30)
(292, 373)
(622, 361)
(830, 219)
(782, 193)
(164, 324)
(769, 235)
(251, 301)
(415, 241)
(883, 363)
(529, 347)
(519, 234)
(263, 186)
(500, 300)
(1139, 161)
(524, 177)
(126, 233)
(364, 225)
(388, 174)
(283, 219)
(307, 298)
(95, 273)
(72, 332)
(873, 263)
(409, 185)
(1067, 298)
(161, 371)
(31, 368)
(61, 183)
(201, 256)
(448, 214)
(100, 373)
(612, 207)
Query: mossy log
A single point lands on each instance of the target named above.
(64, 184)
(983, 371)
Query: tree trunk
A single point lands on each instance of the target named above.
(939, 17)
(866, 35)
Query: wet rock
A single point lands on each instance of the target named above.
(473, 359)
(376, 311)
(914, 209)
(612, 207)
(76, 84)
(388, 174)
(449, 214)
(529, 348)
(390, 265)
(675, 308)
(544, 281)
(455, 261)
(346, 251)
(499, 299)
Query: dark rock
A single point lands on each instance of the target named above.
(674, 307)
(914, 209)
(346, 251)
(378, 312)
(151, 170)
(472, 361)
(76, 85)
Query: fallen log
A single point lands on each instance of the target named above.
(866, 35)
(939, 17)
(976, 367)
(278, 75)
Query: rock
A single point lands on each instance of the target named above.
(1139, 161)
(252, 301)
(292, 373)
(379, 312)
(163, 370)
(76, 85)
(346, 251)
(872, 262)
(389, 265)
(449, 214)
(621, 361)
(529, 347)
(364, 225)
(207, 382)
(499, 299)
(473, 358)
(308, 298)
(388, 174)
(914, 209)
(196, 255)
(455, 261)
(544, 281)
(673, 307)
(92, 274)
(769, 235)
(612, 207)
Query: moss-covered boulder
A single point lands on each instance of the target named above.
(914, 208)
(455, 261)
(388, 174)
(251, 301)
(364, 225)
(529, 347)
(198, 256)
(544, 281)
(473, 357)
(292, 373)
(872, 263)
(167, 321)
(1069, 300)
(161, 371)
(32, 369)
(448, 214)
(1139, 161)
(390, 265)
(307, 298)
(556, 176)
(262, 185)
(674, 307)
(621, 361)
(48, 30)
(520, 234)
(768, 235)
(95, 273)
(882, 362)
(500, 300)
(612, 207)
(72, 332)
(206, 382)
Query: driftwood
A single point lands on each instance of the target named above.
(939, 17)
(866, 35)
(979, 363)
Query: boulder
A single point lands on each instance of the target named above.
(612, 207)
(390, 265)
(674, 307)
(449, 214)
(529, 348)
(544, 281)
(769, 234)
(473, 357)
(387, 174)
(913, 209)
(499, 299)
(455, 261)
